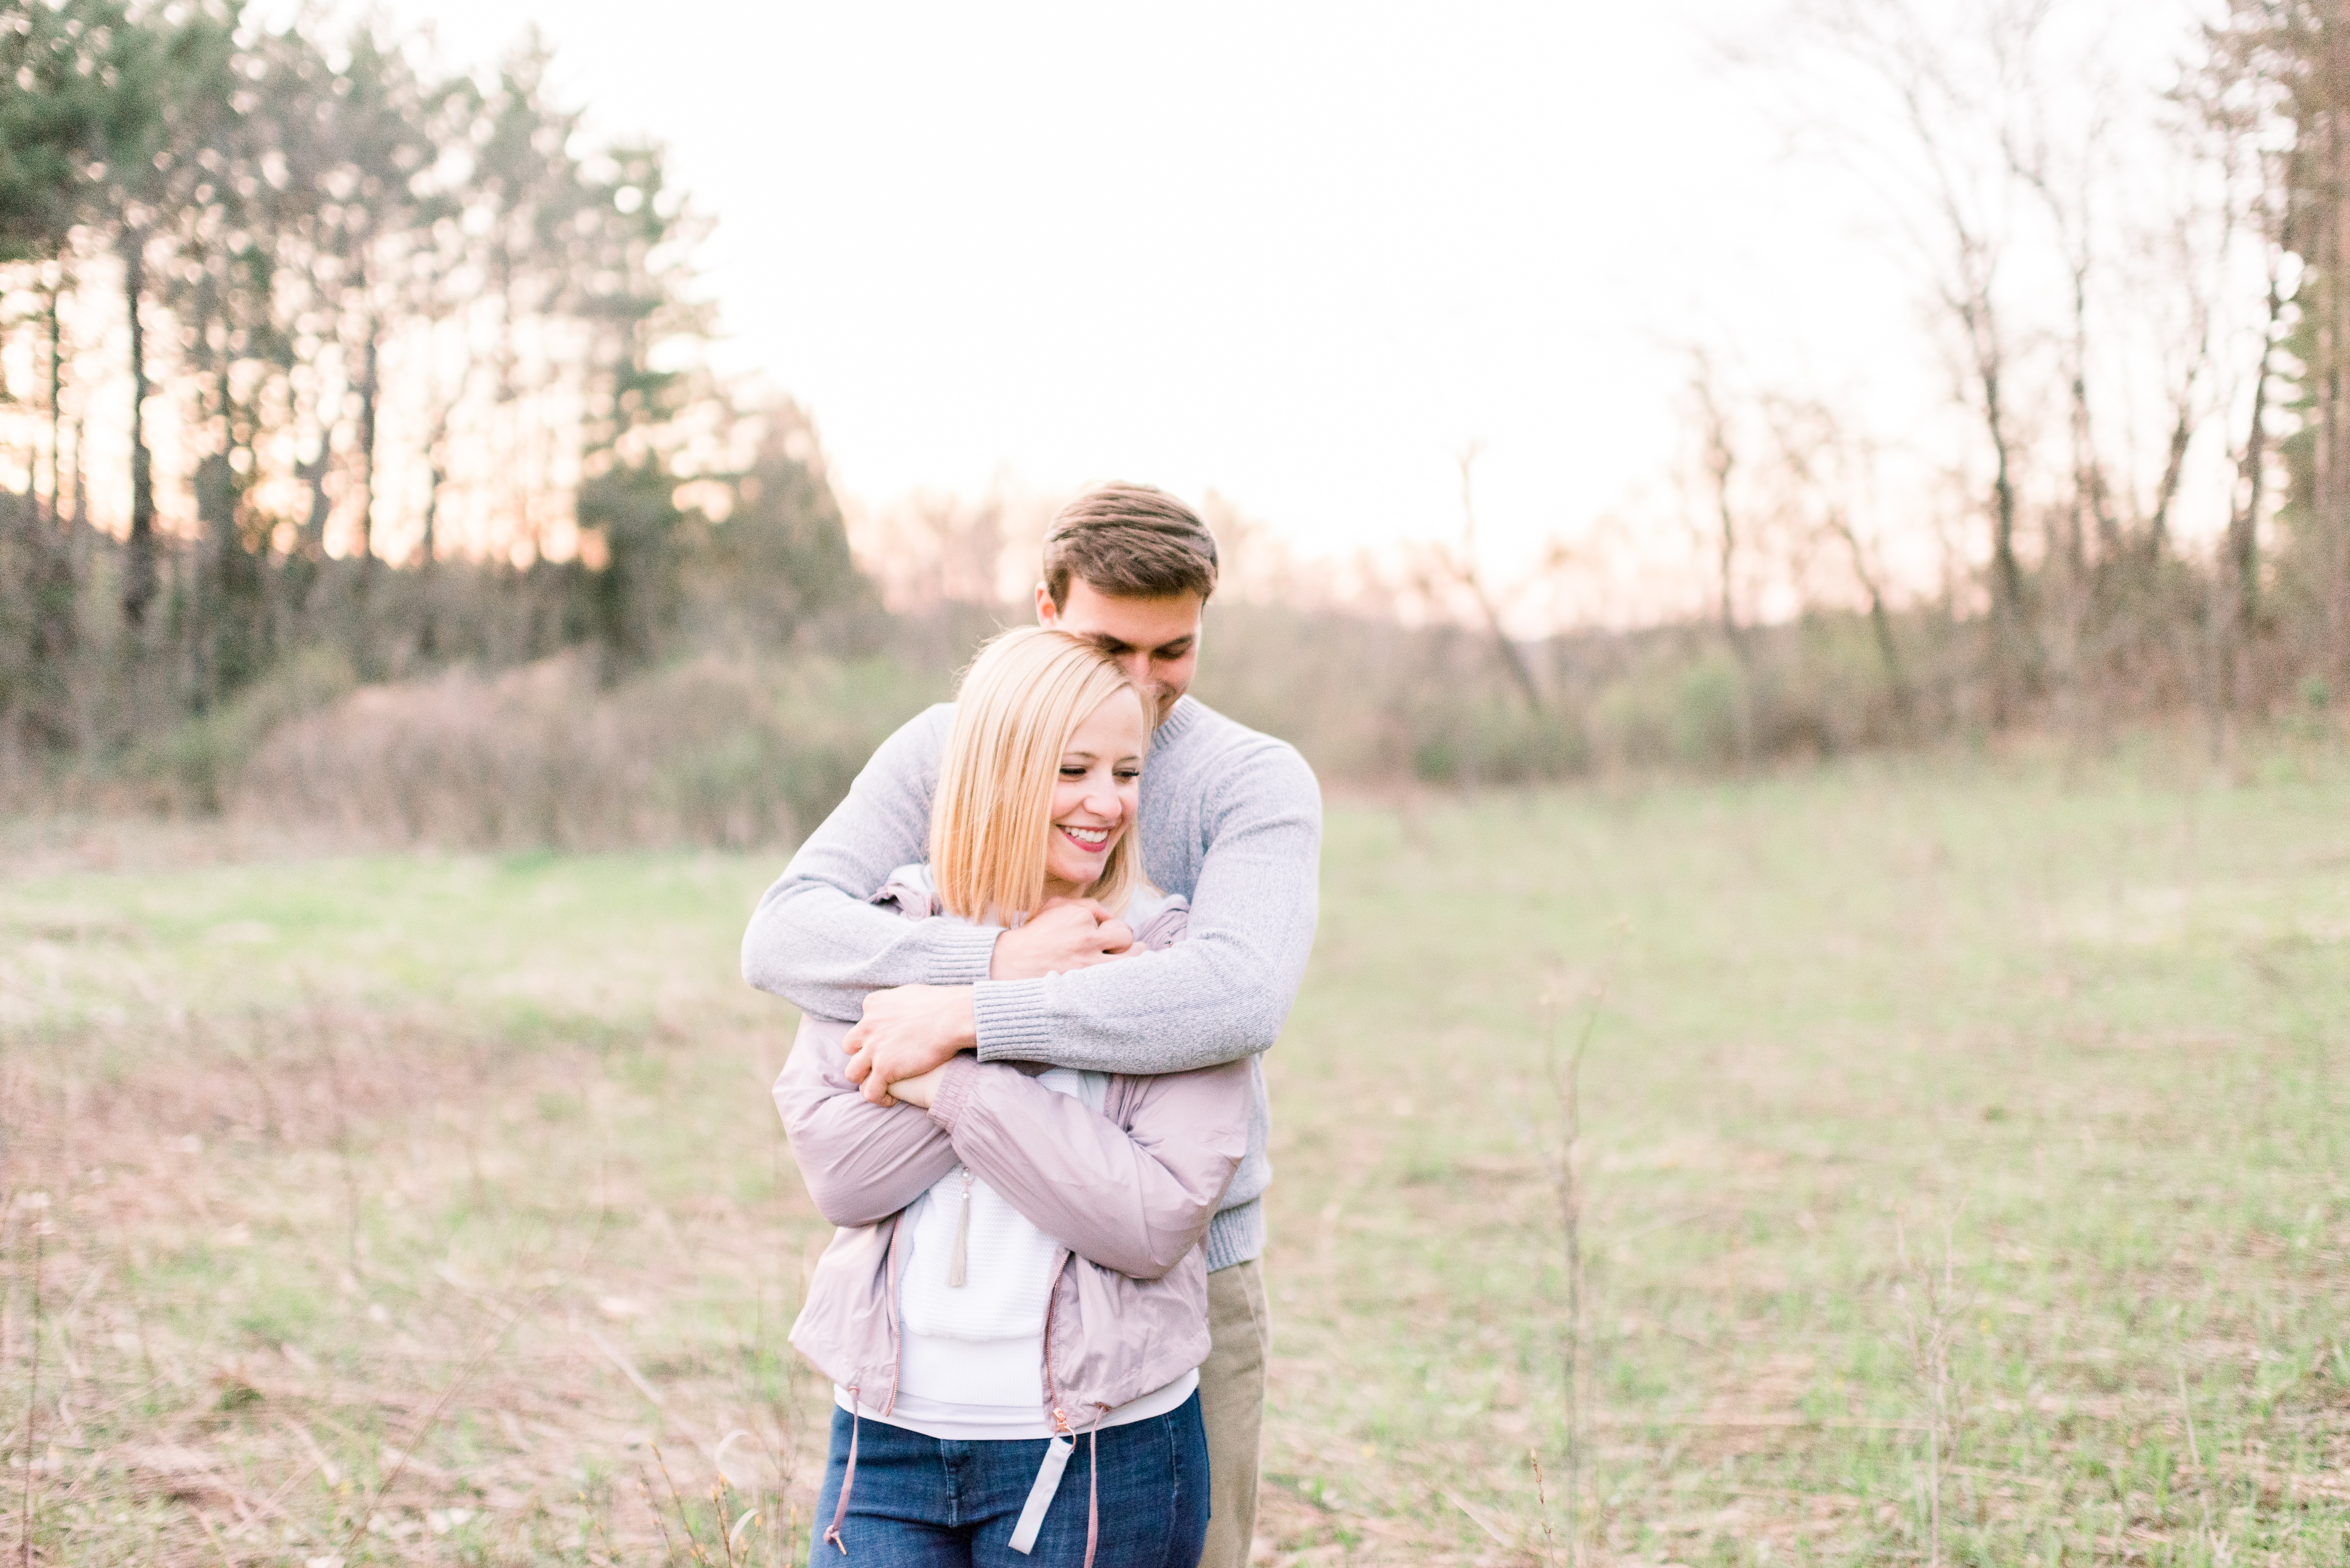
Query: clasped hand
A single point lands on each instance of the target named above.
(909, 1032)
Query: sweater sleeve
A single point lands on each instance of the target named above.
(815, 940)
(1221, 993)
(1134, 1201)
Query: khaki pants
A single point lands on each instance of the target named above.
(1231, 1403)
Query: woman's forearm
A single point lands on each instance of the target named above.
(861, 1162)
(1134, 1201)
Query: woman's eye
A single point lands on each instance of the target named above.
(1129, 774)
(1073, 772)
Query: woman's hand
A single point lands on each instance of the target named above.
(1065, 936)
(918, 1089)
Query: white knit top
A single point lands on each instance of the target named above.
(971, 1356)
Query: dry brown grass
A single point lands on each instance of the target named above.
(2090, 1023)
(342, 1273)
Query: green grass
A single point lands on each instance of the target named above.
(345, 1155)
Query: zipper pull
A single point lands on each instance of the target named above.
(958, 1260)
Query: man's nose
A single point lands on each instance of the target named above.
(1136, 666)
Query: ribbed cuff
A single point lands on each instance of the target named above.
(1236, 1235)
(962, 954)
(1013, 1026)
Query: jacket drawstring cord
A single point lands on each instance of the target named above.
(848, 1478)
(1093, 1482)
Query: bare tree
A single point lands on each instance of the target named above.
(1949, 191)
(1828, 470)
(2065, 182)
(1721, 460)
(2183, 396)
(2232, 101)
(1464, 570)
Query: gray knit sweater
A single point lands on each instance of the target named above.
(1230, 819)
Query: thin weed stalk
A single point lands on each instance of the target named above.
(491, 1344)
(669, 1546)
(718, 1509)
(1931, 1322)
(1566, 1092)
(349, 1171)
(596, 1522)
(2211, 1544)
(31, 1400)
(684, 1515)
(1541, 1503)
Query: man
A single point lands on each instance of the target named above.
(1230, 819)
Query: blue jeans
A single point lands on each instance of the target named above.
(928, 1503)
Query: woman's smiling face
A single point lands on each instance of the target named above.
(1097, 794)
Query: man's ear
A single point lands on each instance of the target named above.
(1047, 613)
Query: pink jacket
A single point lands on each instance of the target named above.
(1127, 1192)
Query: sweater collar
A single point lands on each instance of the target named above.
(1185, 714)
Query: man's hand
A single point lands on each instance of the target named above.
(1066, 935)
(906, 1032)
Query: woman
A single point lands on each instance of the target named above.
(1018, 1264)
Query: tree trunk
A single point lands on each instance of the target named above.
(2174, 469)
(138, 570)
(1512, 661)
(55, 579)
(2006, 576)
(313, 476)
(2330, 485)
(1719, 462)
(2241, 564)
(2087, 483)
(2183, 421)
(57, 410)
(1880, 620)
(369, 386)
(74, 513)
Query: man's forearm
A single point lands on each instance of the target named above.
(1199, 1003)
(815, 939)
(823, 951)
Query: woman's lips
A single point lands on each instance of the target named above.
(1108, 836)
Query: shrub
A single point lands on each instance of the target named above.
(713, 751)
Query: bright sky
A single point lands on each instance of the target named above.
(1301, 254)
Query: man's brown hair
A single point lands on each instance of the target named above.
(1130, 542)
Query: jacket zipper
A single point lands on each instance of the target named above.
(1052, 1304)
(889, 1291)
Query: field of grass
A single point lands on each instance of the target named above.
(1962, 1174)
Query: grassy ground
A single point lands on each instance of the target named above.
(1958, 1143)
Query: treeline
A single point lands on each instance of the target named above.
(2137, 299)
(2134, 506)
(360, 458)
(318, 352)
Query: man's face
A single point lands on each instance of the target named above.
(1155, 641)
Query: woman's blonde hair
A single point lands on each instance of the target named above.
(1021, 702)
